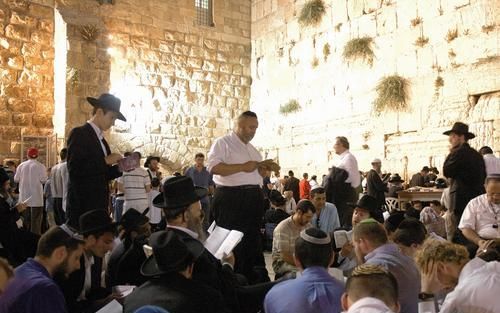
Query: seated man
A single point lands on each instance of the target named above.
(33, 289)
(370, 288)
(410, 236)
(82, 289)
(170, 285)
(432, 217)
(326, 217)
(372, 247)
(481, 217)
(127, 257)
(277, 212)
(315, 290)
(284, 237)
(475, 283)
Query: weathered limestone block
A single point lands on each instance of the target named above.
(30, 49)
(174, 36)
(7, 76)
(17, 32)
(41, 37)
(44, 107)
(41, 11)
(225, 68)
(406, 10)
(21, 119)
(14, 91)
(140, 42)
(5, 118)
(210, 66)
(15, 62)
(31, 78)
(367, 26)
(195, 63)
(354, 8)
(46, 26)
(429, 9)
(10, 132)
(192, 39)
(387, 20)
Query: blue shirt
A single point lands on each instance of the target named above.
(404, 270)
(200, 179)
(314, 291)
(328, 218)
(32, 290)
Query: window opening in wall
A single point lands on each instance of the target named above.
(204, 16)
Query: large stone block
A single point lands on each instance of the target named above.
(15, 62)
(10, 133)
(5, 118)
(42, 121)
(31, 49)
(21, 19)
(41, 11)
(14, 91)
(21, 119)
(41, 37)
(140, 42)
(17, 32)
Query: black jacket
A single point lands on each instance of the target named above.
(89, 175)
(375, 187)
(336, 189)
(292, 184)
(466, 168)
(176, 294)
(124, 264)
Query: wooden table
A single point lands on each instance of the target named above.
(424, 196)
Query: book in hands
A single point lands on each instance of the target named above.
(222, 241)
(342, 237)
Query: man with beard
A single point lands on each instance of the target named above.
(181, 205)
(465, 167)
(33, 289)
(238, 201)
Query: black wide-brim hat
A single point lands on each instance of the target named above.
(178, 192)
(132, 219)
(109, 102)
(395, 178)
(94, 221)
(169, 253)
(461, 129)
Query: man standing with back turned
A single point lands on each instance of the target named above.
(238, 200)
(91, 164)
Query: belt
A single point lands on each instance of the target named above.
(120, 194)
(241, 187)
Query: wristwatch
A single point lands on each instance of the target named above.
(425, 296)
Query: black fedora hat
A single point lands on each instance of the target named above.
(109, 102)
(133, 218)
(460, 129)
(94, 221)
(395, 178)
(149, 159)
(169, 253)
(178, 192)
(370, 204)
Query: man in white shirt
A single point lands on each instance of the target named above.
(490, 160)
(481, 217)
(58, 186)
(475, 283)
(30, 175)
(238, 201)
(349, 163)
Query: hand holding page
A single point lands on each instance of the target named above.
(222, 241)
(342, 237)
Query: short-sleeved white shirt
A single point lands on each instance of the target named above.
(481, 215)
(31, 174)
(231, 150)
(134, 184)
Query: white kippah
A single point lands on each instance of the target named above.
(311, 239)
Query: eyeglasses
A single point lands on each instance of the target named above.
(71, 232)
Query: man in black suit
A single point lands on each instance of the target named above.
(82, 289)
(91, 164)
(375, 186)
(466, 170)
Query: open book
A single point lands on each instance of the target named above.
(222, 241)
(342, 237)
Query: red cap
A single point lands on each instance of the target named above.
(33, 152)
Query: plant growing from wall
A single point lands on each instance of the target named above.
(291, 106)
(89, 32)
(337, 27)
(315, 62)
(488, 28)
(312, 12)
(421, 41)
(451, 35)
(326, 51)
(438, 83)
(451, 53)
(72, 77)
(359, 48)
(392, 94)
(416, 21)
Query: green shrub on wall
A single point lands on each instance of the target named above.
(359, 48)
(312, 12)
(392, 94)
(290, 107)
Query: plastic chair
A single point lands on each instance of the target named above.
(391, 204)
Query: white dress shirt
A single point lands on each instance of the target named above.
(63, 172)
(30, 175)
(478, 289)
(87, 284)
(349, 163)
(56, 181)
(231, 150)
(100, 135)
(481, 215)
(492, 164)
(369, 305)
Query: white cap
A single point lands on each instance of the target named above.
(376, 161)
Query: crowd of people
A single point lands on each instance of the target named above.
(94, 232)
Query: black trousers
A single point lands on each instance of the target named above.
(59, 214)
(345, 208)
(241, 208)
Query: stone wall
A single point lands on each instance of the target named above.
(26, 73)
(336, 96)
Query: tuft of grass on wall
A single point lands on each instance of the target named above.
(392, 94)
(359, 48)
(451, 35)
(421, 41)
(326, 51)
(312, 12)
(291, 106)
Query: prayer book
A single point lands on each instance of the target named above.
(342, 237)
(222, 241)
(112, 307)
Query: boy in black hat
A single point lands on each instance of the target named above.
(91, 164)
(170, 285)
(466, 169)
(82, 289)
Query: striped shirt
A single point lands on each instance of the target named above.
(134, 185)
